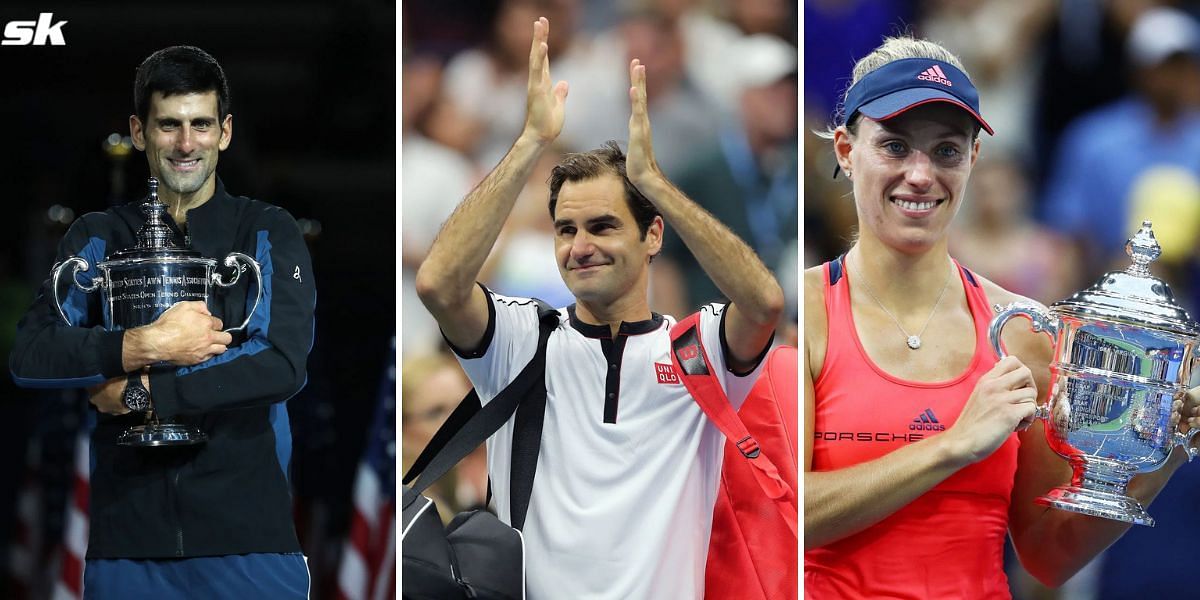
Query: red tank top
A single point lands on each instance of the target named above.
(947, 543)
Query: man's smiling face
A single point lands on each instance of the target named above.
(182, 137)
(601, 253)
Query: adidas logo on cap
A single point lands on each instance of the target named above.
(935, 75)
(926, 421)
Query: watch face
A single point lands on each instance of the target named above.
(137, 399)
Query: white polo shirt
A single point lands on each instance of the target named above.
(628, 468)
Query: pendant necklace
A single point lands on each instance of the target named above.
(913, 341)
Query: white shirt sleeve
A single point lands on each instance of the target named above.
(506, 348)
(736, 386)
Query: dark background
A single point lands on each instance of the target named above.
(313, 98)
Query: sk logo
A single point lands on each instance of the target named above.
(296, 274)
(38, 33)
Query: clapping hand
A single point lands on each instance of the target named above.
(640, 165)
(545, 104)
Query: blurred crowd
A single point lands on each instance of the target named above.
(722, 87)
(1096, 107)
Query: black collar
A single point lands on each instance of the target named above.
(602, 331)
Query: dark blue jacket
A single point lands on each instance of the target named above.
(229, 495)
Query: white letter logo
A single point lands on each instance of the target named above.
(37, 33)
(296, 275)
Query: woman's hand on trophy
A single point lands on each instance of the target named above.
(1188, 415)
(1190, 410)
(1004, 400)
(109, 397)
(186, 334)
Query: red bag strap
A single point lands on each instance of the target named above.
(692, 366)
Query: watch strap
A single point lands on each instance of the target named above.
(136, 397)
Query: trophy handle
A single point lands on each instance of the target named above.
(232, 260)
(1040, 321)
(80, 264)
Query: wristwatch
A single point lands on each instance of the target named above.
(136, 397)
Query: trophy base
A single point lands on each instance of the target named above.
(1117, 507)
(162, 434)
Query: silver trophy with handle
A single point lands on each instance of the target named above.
(1123, 352)
(140, 283)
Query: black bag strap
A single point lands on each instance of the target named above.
(527, 429)
(466, 409)
(469, 425)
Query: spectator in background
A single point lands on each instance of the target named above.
(997, 41)
(998, 236)
(486, 85)
(747, 178)
(1081, 68)
(435, 177)
(432, 386)
(774, 17)
(1137, 158)
(677, 106)
(683, 110)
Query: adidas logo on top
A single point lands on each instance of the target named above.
(935, 75)
(926, 421)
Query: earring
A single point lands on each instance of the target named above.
(848, 175)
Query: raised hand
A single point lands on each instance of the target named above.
(545, 104)
(640, 165)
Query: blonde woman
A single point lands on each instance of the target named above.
(921, 451)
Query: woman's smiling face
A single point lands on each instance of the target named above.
(909, 172)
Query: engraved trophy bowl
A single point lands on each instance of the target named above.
(138, 284)
(1123, 351)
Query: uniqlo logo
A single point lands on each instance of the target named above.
(665, 373)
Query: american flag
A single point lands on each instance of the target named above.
(75, 533)
(368, 569)
(25, 552)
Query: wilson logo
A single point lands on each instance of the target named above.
(935, 75)
(689, 352)
(926, 421)
(665, 373)
(34, 33)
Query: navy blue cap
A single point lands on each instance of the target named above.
(909, 82)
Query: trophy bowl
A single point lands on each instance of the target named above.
(140, 283)
(1123, 352)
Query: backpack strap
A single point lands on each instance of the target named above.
(470, 424)
(527, 430)
(694, 370)
(467, 407)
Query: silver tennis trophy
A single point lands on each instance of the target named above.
(1123, 351)
(140, 283)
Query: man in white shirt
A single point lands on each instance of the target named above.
(628, 468)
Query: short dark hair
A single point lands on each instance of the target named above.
(608, 159)
(179, 70)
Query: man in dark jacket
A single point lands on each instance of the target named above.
(222, 506)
